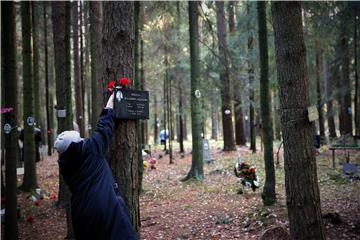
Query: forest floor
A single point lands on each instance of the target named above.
(208, 209)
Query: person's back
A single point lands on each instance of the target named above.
(98, 211)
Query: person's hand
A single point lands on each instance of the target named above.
(110, 103)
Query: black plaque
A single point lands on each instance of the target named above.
(131, 104)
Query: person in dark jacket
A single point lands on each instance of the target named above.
(98, 210)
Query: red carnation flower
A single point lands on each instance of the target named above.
(110, 86)
(124, 81)
(30, 218)
(53, 196)
(37, 203)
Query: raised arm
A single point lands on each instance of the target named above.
(101, 138)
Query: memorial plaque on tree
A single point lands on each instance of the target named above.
(131, 104)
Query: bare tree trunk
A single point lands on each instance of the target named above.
(118, 59)
(319, 95)
(214, 119)
(329, 102)
(250, 45)
(238, 112)
(268, 195)
(61, 15)
(9, 79)
(302, 190)
(97, 84)
(345, 94)
(156, 121)
(29, 180)
(48, 110)
(226, 113)
(196, 171)
(36, 62)
(77, 68)
(356, 69)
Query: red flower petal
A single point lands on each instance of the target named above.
(124, 81)
(110, 86)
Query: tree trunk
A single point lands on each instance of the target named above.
(36, 62)
(329, 102)
(156, 121)
(9, 79)
(118, 59)
(250, 45)
(81, 119)
(226, 113)
(77, 79)
(169, 112)
(181, 123)
(345, 94)
(276, 116)
(29, 180)
(144, 123)
(61, 15)
(97, 84)
(185, 126)
(239, 117)
(48, 110)
(268, 194)
(196, 171)
(214, 119)
(302, 191)
(356, 69)
(164, 107)
(319, 95)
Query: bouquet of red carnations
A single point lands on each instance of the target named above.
(248, 175)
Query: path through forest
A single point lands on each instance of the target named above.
(212, 209)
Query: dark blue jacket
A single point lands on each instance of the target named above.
(97, 211)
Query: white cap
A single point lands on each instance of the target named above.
(64, 139)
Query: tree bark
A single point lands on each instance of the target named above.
(97, 84)
(36, 62)
(144, 123)
(356, 69)
(196, 171)
(9, 79)
(319, 94)
(250, 46)
(81, 118)
(302, 191)
(214, 119)
(156, 121)
(29, 180)
(118, 45)
(226, 113)
(61, 16)
(276, 116)
(329, 102)
(268, 194)
(238, 112)
(77, 69)
(47, 97)
(345, 93)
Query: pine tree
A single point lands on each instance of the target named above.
(9, 79)
(30, 180)
(196, 170)
(118, 59)
(302, 191)
(226, 113)
(268, 194)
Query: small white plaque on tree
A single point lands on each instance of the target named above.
(313, 113)
(61, 113)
